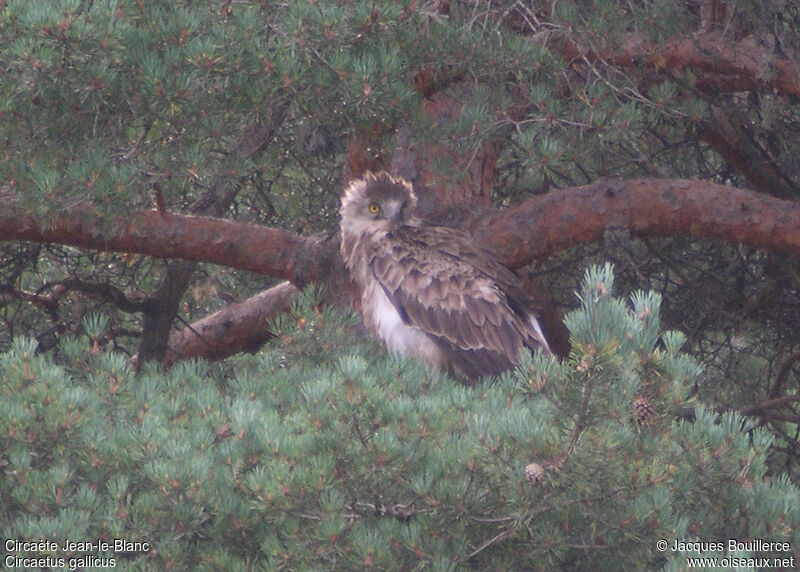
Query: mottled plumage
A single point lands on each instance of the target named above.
(429, 291)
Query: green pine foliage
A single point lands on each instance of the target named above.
(323, 453)
(111, 98)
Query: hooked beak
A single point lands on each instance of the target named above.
(393, 211)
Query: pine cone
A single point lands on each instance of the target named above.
(534, 473)
(643, 408)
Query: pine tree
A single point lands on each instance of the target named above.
(123, 122)
(322, 452)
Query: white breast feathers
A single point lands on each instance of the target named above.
(384, 319)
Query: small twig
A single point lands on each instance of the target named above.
(494, 540)
(47, 301)
(493, 520)
(106, 291)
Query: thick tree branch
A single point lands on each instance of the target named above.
(728, 135)
(177, 274)
(718, 64)
(238, 245)
(538, 227)
(235, 328)
(545, 224)
(725, 65)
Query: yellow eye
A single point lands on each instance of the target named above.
(373, 208)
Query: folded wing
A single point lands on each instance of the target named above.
(474, 308)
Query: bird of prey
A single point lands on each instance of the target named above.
(431, 292)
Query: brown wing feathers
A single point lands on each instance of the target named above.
(464, 310)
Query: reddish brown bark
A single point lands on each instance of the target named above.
(469, 178)
(546, 224)
(719, 64)
(235, 328)
(230, 243)
(538, 227)
(729, 135)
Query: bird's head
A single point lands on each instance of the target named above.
(377, 202)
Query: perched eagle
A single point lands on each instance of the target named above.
(429, 291)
